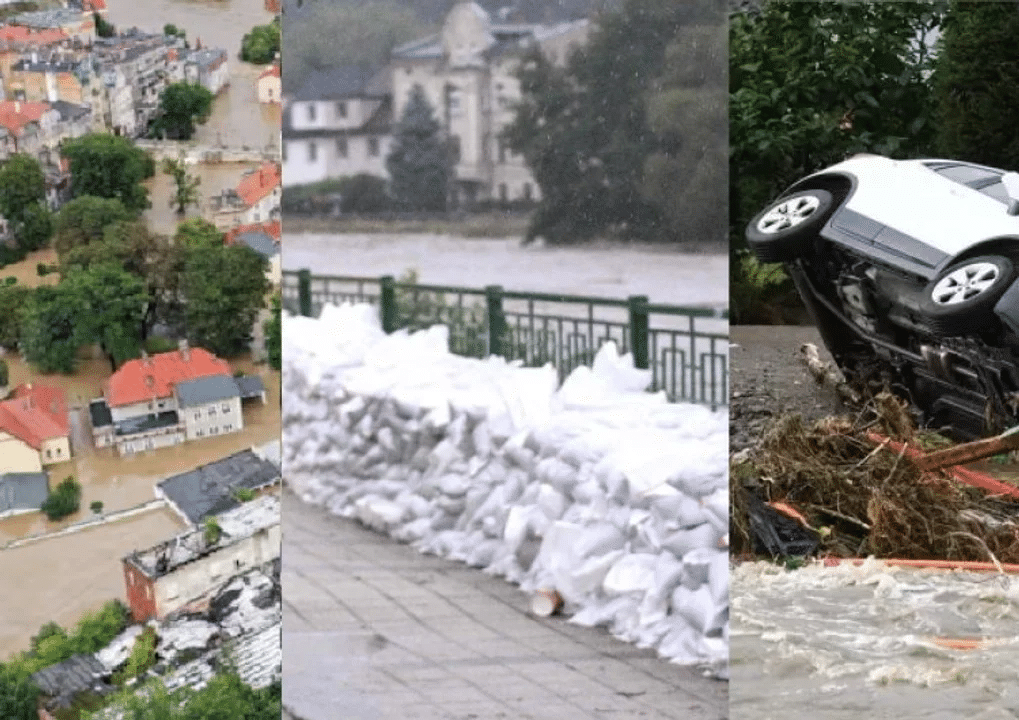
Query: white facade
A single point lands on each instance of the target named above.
(211, 419)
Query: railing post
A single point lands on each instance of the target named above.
(639, 326)
(304, 292)
(496, 319)
(387, 299)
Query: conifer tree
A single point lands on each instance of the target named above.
(420, 164)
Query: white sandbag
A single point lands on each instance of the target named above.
(631, 573)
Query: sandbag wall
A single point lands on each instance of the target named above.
(608, 495)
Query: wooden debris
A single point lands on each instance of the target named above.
(970, 452)
(826, 374)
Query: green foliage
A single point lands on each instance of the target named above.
(13, 302)
(273, 329)
(142, 657)
(812, 83)
(975, 82)
(420, 309)
(363, 193)
(225, 287)
(23, 201)
(5, 376)
(197, 231)
(181, 106)
(211, 531)
(585, 133)
(244, 495)
(18, 696)
(48, 330)
(111, 303)
(84, 220)
(96, 506)
(185, 185)
(172, 30)
(420, 164)
(260, 45)
(64, 500)
(155, 345)
(225, 697)
(104, 29)
(109, 166)
(333, 34)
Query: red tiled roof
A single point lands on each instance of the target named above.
(20, 35)
(140, 380)
(35, 413)
(271, 71)
(98, 6)
(15, 115)
(260, 183)
(272, 229)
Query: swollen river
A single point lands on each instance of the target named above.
(872, 642)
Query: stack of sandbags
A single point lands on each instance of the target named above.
(610, 496)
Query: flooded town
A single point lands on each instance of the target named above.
(139, 413)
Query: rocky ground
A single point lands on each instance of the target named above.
(768, 378)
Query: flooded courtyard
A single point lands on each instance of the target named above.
(124, 482)
(163, 218)
(844, 643)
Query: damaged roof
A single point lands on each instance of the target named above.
(209, 489)
(63, 681)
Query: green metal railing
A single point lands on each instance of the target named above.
(686, 348)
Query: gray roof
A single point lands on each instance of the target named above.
(206, 390)
(23, 491)
(207, 56)
(260, 241)
(209, 488)
(70, 111)
(250, 386)
(47, 18)
(344, 81)
(72, 676)
(99, 413)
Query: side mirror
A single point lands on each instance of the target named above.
(1011, 182)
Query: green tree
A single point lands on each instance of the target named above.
(13, 301)
(181, 106)
(329, 35)
(23, 201)
(172, 30)
(419, 163)
(104, 29)
(48, 330)
(95, 630)
(63, 501)
(975, 84)
(185, 185)
(224, 288)
(812, 83)
(197, 231)
(260, 45)
(84, 220)
(18, 696)
(274, 333)
(109, 166)
(112, 304)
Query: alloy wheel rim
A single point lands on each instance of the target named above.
(965, 283)
(788, 214)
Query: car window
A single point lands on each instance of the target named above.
(997, 191)
(966, 174)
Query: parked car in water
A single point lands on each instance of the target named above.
(909, 269)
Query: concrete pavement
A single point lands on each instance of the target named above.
(373, 630)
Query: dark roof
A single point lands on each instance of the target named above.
(205, 390)
(67, 679)
(345, 81)
(99, 413)
(209, 489)
(260, 241)
(379, 123)
(70, 111)
(144, 423)
(23, 491)
(250, 386)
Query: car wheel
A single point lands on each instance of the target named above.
(961, 300)
(779, 233)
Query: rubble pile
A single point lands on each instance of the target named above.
(609, 496)
(857, 498)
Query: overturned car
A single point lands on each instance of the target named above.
(909, 269)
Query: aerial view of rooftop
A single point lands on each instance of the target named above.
(140, 357)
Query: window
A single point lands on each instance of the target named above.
(212, 411)
(341, 109)
(527, 191)
(502, 151)
(311, 112)
(198, 415)
(503, 194)
(312, 152)
(214, 431)
(49, 453)
(373, 147)
(200, 433)
(227, 428)
(341, 147)
(225, 408)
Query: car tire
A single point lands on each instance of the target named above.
(780, 232)
(961, 300)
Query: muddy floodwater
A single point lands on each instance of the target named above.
(163, 218)
(124, 482)
(616, 272)
(847, 643)
(237, 118)
(62, 578)
(27, 271)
